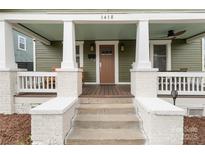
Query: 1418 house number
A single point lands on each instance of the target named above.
(107, 16)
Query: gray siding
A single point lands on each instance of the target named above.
(186, 55)
(20, 55)
(48, 57)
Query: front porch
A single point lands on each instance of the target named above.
(138, 52)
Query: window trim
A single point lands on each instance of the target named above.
(24, 38)
(168, 52)
(203, 53)
(80, 44)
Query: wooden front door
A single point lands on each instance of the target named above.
(107, 65)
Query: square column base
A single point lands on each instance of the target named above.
(69, 82)
(7, 91)
(144, 83)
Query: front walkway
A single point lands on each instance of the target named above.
(113, 91)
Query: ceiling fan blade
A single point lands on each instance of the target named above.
(171, 37)
(162, 37)
(179, 33)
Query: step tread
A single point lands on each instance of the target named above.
(105, 134)
(105, 100)
(105, 106)
(107, 117)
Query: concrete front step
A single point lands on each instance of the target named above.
(106, 109)
(105, 136)
(105, 100)
(106, 121)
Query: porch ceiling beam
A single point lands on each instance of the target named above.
(30, 33)
(197, 36)
(101, 17)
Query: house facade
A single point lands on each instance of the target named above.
(86, 60)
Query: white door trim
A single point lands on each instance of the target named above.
(115, 43)
(168, 52)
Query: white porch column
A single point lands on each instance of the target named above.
(143, 76)
(69, 79)
(69, 58)
(7, 59)
(8, 69)
(142, 58)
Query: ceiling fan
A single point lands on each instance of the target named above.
(173, 35)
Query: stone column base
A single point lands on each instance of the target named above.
(7, 91)
(69, 82)
(144, 83)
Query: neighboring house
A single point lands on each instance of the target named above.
(106, 68)
(23, 47)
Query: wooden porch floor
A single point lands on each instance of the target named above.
(106, 91)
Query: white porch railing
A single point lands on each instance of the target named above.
(186, 83)
(34, 82)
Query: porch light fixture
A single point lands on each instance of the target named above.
(92, 47)
(122, 47)
(174, 94)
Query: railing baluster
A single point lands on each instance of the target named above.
(39, 82)
(197, 83)
(51, 82)
(22, 79)
(193, 84)
(175, 83)
(179, 84)
(188, 82)
(202, 84)
(162, 85)
(184, 83)
(166, 84)
(47, 82)
(43, 82)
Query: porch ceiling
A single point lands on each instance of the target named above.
(115, 31)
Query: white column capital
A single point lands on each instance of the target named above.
(69, 53)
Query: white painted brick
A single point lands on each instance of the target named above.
(50, 127)
(69, 83)
(7, 91)
(144, 83)
(159, 127)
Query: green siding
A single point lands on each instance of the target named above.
(89, 68)
(48, 56)
(183, 56)
(186, 55)
(126, 58)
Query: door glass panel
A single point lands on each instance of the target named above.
(160, 60)
(106, 51)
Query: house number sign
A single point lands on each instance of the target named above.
(107, 16)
